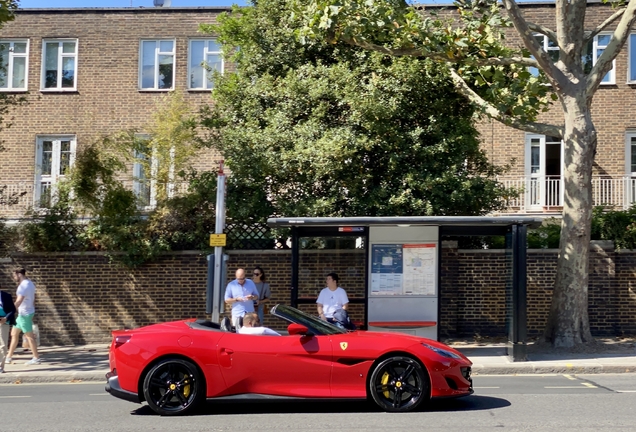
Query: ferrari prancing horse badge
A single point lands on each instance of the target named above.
(344, 345)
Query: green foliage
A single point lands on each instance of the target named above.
(185, 222)
(9, 238)
(54, 229)
(467, 44)
(617, 225)
(547, 236)
(329, 130)
(7, 9)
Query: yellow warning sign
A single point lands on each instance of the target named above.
(217, 240)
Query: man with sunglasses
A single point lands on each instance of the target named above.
(240, 294)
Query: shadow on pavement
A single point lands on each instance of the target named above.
(470, 403)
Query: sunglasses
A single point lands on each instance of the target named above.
(256, 274)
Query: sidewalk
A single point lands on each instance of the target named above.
(90, 363)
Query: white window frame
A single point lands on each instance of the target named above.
(535, 188)
(10, 65)
(157, 53)
(141, 181)
(631, 45)
(611, 75)
(630, 175)
(61, 56)
(207, 84)
(55, 175)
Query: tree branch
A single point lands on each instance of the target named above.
(589, 35)
(492, 112)
(554, 74)
(604, 62)
(415, 52)
(543, 30)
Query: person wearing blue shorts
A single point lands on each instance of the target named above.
(25, 302)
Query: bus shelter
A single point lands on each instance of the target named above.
(391, 268)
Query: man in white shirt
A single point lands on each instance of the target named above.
(331, 299)
(25, 303)
(251, 326)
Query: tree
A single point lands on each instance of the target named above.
(474, 43)
(333, 130)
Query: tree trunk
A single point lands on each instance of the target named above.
(568, 323)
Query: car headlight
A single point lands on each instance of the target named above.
(442, 352)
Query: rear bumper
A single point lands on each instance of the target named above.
(113, 387)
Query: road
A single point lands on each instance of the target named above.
(510, 403)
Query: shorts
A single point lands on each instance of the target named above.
(25, 323)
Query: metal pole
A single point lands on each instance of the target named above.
(218, 250)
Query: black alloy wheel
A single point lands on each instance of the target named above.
(399, 384)
(174, 386)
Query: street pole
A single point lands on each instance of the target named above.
(218, 250)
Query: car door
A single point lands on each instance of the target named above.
(276, 365)
(352, 358)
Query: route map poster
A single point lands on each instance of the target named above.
(419, 269)
(404, 269)
(386, 269)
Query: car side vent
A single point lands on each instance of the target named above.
(350, 361)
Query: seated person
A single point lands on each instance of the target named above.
(252, 326)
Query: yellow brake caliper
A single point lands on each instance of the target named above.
(186, 389)
(384, 381)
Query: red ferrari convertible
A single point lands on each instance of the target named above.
(175, 366)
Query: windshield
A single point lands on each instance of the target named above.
(316, 325)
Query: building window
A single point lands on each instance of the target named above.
(591, 54)
(14, 63)
(600, 43)
(153, 174)
(54, 156)
(59, 65)
(205, 57)
(631, 77)
(156, 68)
(630, 165)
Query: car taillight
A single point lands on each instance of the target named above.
(120, 340)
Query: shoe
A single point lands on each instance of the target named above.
(8, 359)
(33, 361)
(1, 370)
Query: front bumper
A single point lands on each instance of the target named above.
(113, 387)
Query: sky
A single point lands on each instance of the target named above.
(25, 4)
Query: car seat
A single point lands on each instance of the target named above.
(239, 324)
(226, 324)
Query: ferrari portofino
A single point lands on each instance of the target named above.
(175, 366)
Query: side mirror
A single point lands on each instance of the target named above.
(298, 329)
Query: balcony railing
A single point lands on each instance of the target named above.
(544, 194)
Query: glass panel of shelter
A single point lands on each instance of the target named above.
(344, 255)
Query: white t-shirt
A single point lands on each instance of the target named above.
(331, 301)
(26, 289)
(258, 331)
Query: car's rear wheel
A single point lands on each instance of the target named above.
(399, 384)
(174, 386)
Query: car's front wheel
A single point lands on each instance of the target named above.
(174, 386)
(399, 384)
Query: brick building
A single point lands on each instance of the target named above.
(92, 72)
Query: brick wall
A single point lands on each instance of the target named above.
(82, 297)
